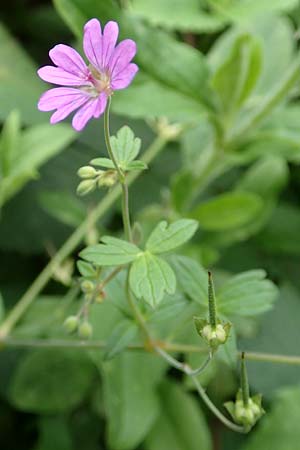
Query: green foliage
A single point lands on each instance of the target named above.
(227, 211)
(166, 238)
(247, 294)
(181, 427)
(220, 79)
(22, 153)
(19, 85)
(130, 398)
(236, 77)
(122, 336)
(151, 277)
(275, 432)
(112, 252)
(34, 387)
(126, 147)
(63, 206)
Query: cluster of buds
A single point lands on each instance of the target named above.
(213, 331)
(92, 293)
(75, 323)
(92, 178)
(245, 410)
(80, 323)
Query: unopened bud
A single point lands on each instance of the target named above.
(85, 187)
(71, 324)
(108, 178)
(87, 286)
(87, 172)
(85, 330)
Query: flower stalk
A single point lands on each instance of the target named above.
(121, 175)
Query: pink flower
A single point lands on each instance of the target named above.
(89, 87)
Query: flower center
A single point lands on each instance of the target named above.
(100, 80)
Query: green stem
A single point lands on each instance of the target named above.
(108, 143)
(121, 175)
(170, 346)
(214, 409)
(74, 240)
(137, 313)
(125, 212)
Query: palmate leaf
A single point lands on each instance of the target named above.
(125, 145)
(113, 252)
(246, 294)
(122, 335)
(151, 277)
(165, 238)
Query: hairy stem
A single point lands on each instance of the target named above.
(137, 313)
(169, 346)
(74, 240)
(121, 175)
(214, 409)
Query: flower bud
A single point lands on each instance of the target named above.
(85, 330)
(108, 178)
(87, 286)
(85, 187)
(87, 172)
(71, 324)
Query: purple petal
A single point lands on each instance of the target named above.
(98, 48)
(68, 59)
(84, 114)
(92, 42)
(66, 109)
(58, 97)
(121, 57)
(110, 36)
(101, 105)
(56, 75)
(125, 77)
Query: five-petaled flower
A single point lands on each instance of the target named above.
(87, 88)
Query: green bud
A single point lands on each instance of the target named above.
(85, 330)
(87, 172)
(71, 324)
(87, 286)
(108, 178)
(86, 186)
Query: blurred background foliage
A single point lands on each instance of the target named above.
(228, 71)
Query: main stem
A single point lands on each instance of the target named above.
(121, 175)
